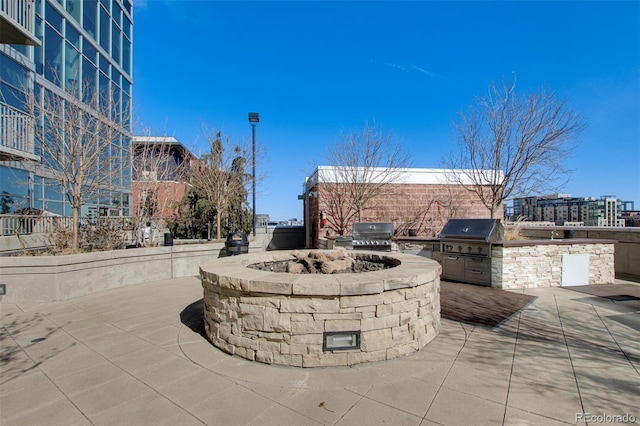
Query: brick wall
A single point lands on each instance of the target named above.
(423, 207)
(167, 194)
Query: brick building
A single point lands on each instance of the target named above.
(419, 199)
(157, 182)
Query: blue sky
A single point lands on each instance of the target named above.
(314, 68)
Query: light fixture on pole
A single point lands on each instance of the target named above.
(254, 119)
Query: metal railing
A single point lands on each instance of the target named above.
(21, 12)
(16, 129)
(12, 224)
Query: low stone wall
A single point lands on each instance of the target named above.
(531, 264)
(281, 318)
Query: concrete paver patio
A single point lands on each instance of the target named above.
(129, 356)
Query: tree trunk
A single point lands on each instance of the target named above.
(75, 228)
(218, 236)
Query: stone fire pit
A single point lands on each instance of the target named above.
(315, 319)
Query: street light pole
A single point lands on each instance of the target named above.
(254, 119)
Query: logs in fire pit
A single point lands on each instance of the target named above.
(324, 262)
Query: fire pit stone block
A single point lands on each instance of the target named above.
(282, 318)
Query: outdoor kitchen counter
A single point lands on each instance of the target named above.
(519, 264)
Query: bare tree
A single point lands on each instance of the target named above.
(219, 177)
(81, 134)
(511, 144)
(364, 164)
(159, 171)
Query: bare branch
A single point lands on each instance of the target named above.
(219, 177)
(83, 150)
(510, 144)
(364, 164)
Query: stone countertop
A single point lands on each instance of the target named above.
(555, 241)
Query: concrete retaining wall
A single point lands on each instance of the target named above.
(32, 279)
(44, 278)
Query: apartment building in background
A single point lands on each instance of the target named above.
(160, 164)
(55, 46)
(563, 208)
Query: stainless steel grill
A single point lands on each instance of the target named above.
(466, 249)
(372, 236)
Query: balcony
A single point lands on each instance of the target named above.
(17, 22)
(16, 134)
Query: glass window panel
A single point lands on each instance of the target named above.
(104, 65)
(53, 18)
(14, 181)
(116, 105)
(90, 11)
(115, 76)
(126, 86)
(13, 97)
(13, 73)
(116, 13)
(105, 26)
(126, 55)
(37, 50)
(23, 49)
(10, 204)
(73, 7)
(116, 35)
(52, 190)
(127, 6)
(52, 55)
(54, 207)
(72, 69)
(103, 87)
(90, 52)
(73, 36)
(126, 103)
(126, 27)
(88, 78)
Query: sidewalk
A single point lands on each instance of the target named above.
(134, 356)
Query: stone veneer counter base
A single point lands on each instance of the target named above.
(283, 318)
(523, 264)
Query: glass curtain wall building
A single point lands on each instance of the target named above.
(81, 46)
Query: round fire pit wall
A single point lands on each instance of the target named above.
(311, 320)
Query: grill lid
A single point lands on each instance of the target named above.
(488, 230)
(373, 231)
